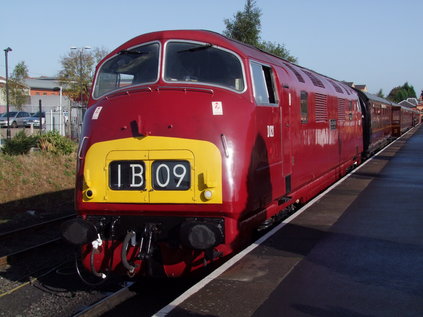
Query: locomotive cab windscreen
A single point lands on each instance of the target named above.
(136, 66)
(196, 63)
(203, 63)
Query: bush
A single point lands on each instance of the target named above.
(51, 142)
(19, 144)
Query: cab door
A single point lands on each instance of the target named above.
(267, 150)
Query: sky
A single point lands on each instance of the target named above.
(374, 42)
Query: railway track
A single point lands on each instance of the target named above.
(30, 252)
(142, 298)
(18, 243)
(33, 258)
(34, 227)
(109, 302)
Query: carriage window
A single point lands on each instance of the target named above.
(139, 65)
(203, 64)
(264, 84)
(304, 107)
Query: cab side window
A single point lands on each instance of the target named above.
(304, 107)
(264, 85)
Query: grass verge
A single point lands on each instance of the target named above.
(37, 184)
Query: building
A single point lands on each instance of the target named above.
(420, 108)
(410, 103)
(44, 89)
(359, 87)
(43, 86)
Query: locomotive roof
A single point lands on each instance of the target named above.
(242, 49)
(201, 36)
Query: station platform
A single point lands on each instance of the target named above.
(355, 251)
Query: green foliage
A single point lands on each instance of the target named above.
(401, 93)
(78, 70)
(19, 144)
(278, 50)
(380, 93)
(51, 142)
(20, 72)
(246, 27)
(18, 92)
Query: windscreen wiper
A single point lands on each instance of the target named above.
(127, 52)
(198, 48)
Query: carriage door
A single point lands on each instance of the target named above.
(267, 158)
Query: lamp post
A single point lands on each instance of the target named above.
(60, 89)
(81, 49)
(6, 51)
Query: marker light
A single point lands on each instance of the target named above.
(89, 193)
(208, 194)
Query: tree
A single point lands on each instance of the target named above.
(246, 27)
(18, 92)
(380, 94)
(278, 50)
(401, 93)
(77, 72)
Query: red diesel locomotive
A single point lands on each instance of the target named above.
(191, 141)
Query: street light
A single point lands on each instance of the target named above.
(6, 51)
(60, 88)
(80, 49)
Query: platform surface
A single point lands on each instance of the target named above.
(357, 251)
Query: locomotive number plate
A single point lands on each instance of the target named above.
(127, 175)
(171, 175)
(166, 175)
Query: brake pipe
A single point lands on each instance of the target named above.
(96, 243)
(129, 236)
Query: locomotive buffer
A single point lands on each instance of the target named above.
(357, 251)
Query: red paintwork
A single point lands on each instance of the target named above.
(381, 128)
(311, 154)
(383, 120)
(396, 121)
(407, 120)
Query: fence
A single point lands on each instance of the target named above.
(66, 123)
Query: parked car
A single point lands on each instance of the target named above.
(34, 119)
(16, 119)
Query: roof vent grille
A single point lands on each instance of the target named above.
(297, 74)
(316, 81)
(336, 86)
(321, 106)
